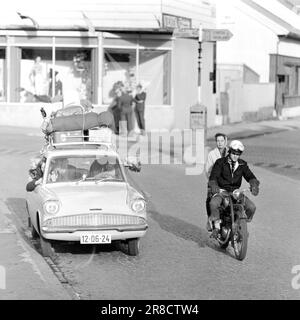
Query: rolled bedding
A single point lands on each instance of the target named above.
(80, 122)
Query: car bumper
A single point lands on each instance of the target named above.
(70, 228)
(68, 235)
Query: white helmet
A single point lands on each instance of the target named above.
(236, 146)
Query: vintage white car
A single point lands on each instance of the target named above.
(84, 196)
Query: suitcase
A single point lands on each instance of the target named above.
(67, 136)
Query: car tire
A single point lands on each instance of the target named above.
(33, 232)
(46, 247)
(133, 246)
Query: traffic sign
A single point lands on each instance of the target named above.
(216, 35)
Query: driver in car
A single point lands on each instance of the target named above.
(98, 170)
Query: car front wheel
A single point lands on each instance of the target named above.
(133, 246)
(46, 247)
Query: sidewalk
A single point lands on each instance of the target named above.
(24, 274)
(243, 130)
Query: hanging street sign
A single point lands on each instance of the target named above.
(216, 35)
(186, 33)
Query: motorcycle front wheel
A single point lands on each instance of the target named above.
(240, 239)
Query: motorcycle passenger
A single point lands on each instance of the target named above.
(221, 150)
(227, 173)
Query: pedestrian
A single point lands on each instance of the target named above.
(218, 152)
(114, 106)
(125, 103)
(139, 109)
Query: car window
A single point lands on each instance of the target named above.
(85, 168)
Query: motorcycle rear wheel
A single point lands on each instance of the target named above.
(240, 240)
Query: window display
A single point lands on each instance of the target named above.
(119, 67)
(152, 71)
(155, 75)
(34, 79)
(71, 72)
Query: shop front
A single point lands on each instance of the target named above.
(61, 67)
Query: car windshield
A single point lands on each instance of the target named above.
(84, 168)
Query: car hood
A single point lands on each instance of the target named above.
(87, 198)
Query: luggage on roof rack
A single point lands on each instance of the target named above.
(74, 118)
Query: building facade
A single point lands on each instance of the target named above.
(66, 51)
(267, 41)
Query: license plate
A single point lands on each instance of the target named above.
(92, 238)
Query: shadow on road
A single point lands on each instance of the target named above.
(187, 231)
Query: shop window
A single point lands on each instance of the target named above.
(34, 75)
(71, 71)
(74, 70)
(155, 75)
(119, 66)
(152, 71)
(2, 75)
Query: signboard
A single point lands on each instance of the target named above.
(216, 35)
(186, 33)
(198, 117)
(170, 21)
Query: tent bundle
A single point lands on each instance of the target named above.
(83, 121)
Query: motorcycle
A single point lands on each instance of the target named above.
(233, 228)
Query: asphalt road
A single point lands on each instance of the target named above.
(177, 259)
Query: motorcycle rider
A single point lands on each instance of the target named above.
(227, 173)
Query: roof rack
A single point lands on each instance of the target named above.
(83, 144)
(79, 141)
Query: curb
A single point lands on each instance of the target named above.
(41, 270)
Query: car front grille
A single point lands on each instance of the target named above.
(94, 220)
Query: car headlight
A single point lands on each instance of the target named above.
(138, 205)
(51, 206)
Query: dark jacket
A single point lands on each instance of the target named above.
(140, 101)
(125, 103)
(221, 174)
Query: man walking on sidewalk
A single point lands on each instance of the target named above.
(125, 102)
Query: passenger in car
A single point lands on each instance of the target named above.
(36, 174)
(63, 171)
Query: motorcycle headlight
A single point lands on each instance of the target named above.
(138, 205)
(236, 194)
(51, 206)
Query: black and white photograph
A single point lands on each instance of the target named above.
(149, 154)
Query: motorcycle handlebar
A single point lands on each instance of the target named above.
(222, 191)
